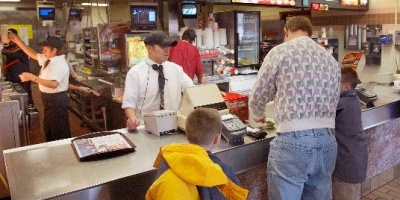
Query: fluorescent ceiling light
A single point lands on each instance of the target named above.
(10, 0)
(7, 8)
(94, 4)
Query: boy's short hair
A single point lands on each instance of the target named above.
(299, 23)
(202, 125)
(349, 75)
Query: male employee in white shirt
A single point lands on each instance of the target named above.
(53, 84)
(155, 83)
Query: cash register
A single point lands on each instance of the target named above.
(200, 96)
(209, 96)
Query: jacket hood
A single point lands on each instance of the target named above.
(192, 164)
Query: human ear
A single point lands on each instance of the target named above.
(217, 139)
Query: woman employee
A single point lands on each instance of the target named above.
(53, 84)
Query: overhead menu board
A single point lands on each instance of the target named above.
(349, 3)
(268, 2)
(337, 4)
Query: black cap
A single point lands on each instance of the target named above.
(12, 30)
(159, 38)
(54, 42)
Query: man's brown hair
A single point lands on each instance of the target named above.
(349, 75)
(299, 23)
(202, 125)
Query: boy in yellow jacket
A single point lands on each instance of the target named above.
(191, 171)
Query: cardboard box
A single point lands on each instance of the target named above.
(238, 105)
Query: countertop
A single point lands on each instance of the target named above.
(51, 169)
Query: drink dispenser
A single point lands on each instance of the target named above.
(372, 46)
(353, 35)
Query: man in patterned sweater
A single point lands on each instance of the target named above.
(303, 79)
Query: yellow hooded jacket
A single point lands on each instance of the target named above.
(190, 166)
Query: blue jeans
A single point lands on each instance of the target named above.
(300, 165)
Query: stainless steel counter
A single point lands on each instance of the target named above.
(387, 106)
(51, 169)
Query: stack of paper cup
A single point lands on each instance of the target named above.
(208, 38)
(199, 39)
(222, 37)
(216, 38)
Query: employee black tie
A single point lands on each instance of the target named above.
(161, 84)
(46, 63)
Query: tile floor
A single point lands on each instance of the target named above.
(390, 191)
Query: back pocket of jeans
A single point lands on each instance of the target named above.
(290, 159)
(330, 153)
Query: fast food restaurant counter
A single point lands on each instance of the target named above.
(51, 170)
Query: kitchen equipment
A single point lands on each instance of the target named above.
(161, 122)
(79, 48)
(200, 96)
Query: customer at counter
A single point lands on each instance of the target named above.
(187, 55)
(352, 158)
(191, 171)
(53, 84)
(155, 83)
(16, 62)
(303, 79)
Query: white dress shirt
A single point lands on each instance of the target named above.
(141, 87)
(57, 70)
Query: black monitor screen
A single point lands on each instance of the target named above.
(75, 14)
(189, 10)
(143, 15)
(47, 13)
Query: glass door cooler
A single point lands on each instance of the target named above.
(243, 35)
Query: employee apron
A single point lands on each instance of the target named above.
(56, 119)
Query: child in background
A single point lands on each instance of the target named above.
(351, 164)
(191, 171)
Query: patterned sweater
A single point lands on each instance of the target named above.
(303, 79)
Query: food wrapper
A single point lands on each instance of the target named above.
(351, 59)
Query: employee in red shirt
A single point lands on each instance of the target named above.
(187, 55)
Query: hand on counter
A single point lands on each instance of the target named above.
(132, 123)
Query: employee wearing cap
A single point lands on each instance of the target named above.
(155, 83)
(16, 62)
(53, 84)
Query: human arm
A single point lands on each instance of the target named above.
(29, 51)
(132, 122)
(80, 88)
(76, 77)
(26, 76)
(199, 69)
(73, 74)
(130, 100)
(264, 89)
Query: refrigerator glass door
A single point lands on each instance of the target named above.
(248, 38)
